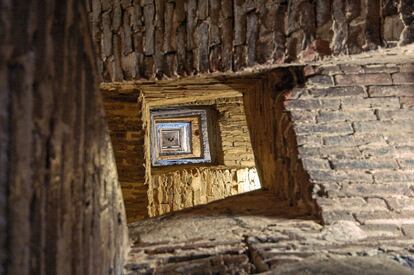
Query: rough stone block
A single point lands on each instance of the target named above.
(339, 141)
(351, 69)
(316, 50)
(381, 68)
(363, 79)
(388, 91)
(403, 78)
(338, 92)
(329, 204)
(329, 116)
(376, 203)
(326, 116)
(399, 138)
(332, 152)
(326, 188)
(370, 139)
(331, 216)
(309, 140)
(324, 129)
(372, 164)
(315, 164)
(312, 104)
(370, 103)
(407, 67)
(354, 140)
(407, 102)
(295, 93)
(378, 190)
(323, 80)
(384, 126)
(408, 230)
(394, 176)
(300, 116)
(405, 150)
(340, 176)
(378, 151)
(406, 163)
(400, 203)
(330, 69)
(377, 216)
(391, 229)
(395, 114)
(393, 27)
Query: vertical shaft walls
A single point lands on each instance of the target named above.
(58, 184)
(163, 39)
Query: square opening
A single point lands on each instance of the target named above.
(180, 136)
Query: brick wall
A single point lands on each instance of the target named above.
(335, 138)
(187, 187)
(355, 134)
(123, 112)
(274, 141)
(154, 38)
(125, 105)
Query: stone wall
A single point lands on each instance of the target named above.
(154, 38)
(124, 115)
(274, 141)
(234, 134)
(125, 105)
(336, 138)
(183, 188)
(232, 172)
(355, 135)
(59, 191)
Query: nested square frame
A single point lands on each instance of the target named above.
(194, 144)
(191, 146)
(173, 131)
